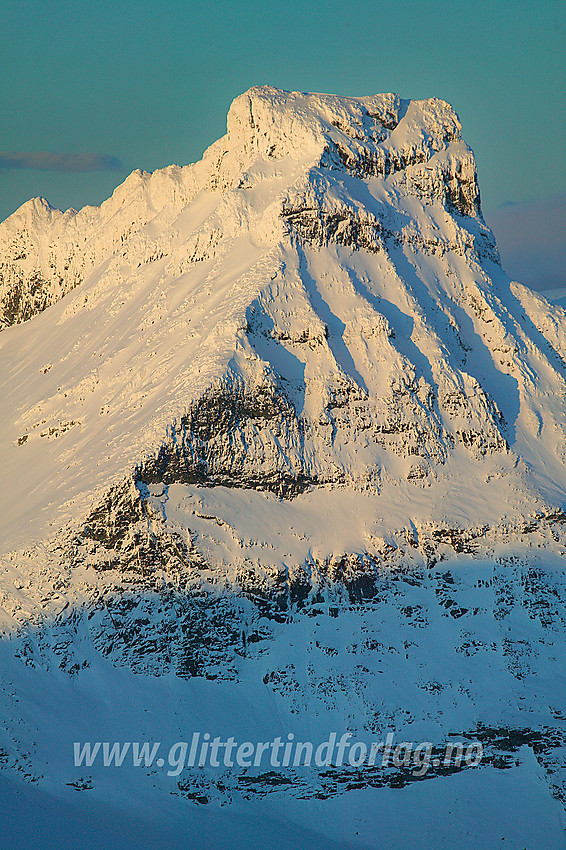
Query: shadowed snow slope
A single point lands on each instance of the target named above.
(259, 385)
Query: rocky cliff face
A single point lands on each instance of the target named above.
(282, 395)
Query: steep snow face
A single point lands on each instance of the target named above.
(266, 383)
(316, 303)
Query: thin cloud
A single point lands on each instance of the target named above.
(531, 237)
(68, 162)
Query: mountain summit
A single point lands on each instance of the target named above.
(316, 303)
(260, 385)
(46, 253)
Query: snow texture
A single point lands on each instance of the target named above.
(284, 448)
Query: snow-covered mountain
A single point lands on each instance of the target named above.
(287, 436)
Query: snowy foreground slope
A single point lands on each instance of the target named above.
(284, 452)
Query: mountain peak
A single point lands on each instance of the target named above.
(409, 148)
(372, 136)
(322, 281)
(290, 120)
(280, 421)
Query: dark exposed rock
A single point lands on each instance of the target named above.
(210, 445)
(318, 228)
(25, 298)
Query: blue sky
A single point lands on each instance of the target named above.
(119, 85)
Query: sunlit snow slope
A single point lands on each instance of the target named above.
(243, 394)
